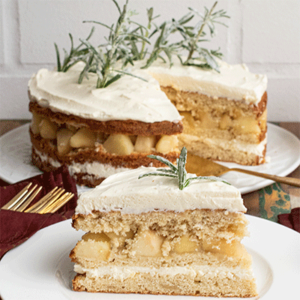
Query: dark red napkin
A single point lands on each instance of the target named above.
(17, 227)
(291, 220)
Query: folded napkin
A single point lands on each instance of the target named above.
(17, 227)
(291, 220)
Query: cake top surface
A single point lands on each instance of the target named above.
(234, 82)
(128, 98)
(126, 193)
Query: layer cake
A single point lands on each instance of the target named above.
(148, 236)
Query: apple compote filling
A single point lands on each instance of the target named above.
(68, 138)
(148, 243)
(238, 123)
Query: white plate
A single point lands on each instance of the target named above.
(283, 150)
(41, 268)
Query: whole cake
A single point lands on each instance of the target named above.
(105, 108)
(148, 236)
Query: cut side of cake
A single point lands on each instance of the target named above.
(148, 236)
(100, 132)
(225, 113)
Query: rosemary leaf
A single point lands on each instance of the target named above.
(130, 74)
(57, 58)
(164, 161)
(117, 5)
(167, 171)
(99, 23)
(157, 174)
(115, 78)
(181, 168)
(210, 60)
(210, 178)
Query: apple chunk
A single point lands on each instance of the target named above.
(221, 246)
(92, 250)
(93, 246)
(35, 122)
(98, 237)
(185, 245)
(63, 141)
(167, 143)
(119, 144)
(48, 129)
(144, 144)
(147, 243)
(83, 138)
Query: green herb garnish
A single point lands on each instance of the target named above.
(127, 42)
(101, 60)
(75, 54)
(192, 37)
(178, 171)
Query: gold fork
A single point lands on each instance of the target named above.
(205, 167)
(50, 203)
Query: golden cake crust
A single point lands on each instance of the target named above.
(109, 127)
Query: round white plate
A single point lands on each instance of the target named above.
(283, 150)
(41, 268)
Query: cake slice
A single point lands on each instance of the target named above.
(177, 235)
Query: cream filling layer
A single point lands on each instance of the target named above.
(126, 193)
(121, 273)
(128, 98)
(96, 169)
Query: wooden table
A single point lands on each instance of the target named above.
(266, 203)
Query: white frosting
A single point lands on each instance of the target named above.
(124, 272)
(126, 193)
(233, 82)
(128, 98)
(97, 169)
(134, 99)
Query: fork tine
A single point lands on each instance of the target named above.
(59, 203)
(62, 202)
(41, 201)
(27, 203)
(23, 199)
(17, 197)
(50, 201)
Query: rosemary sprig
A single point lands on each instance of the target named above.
(162, 43)
(127, 41)
(192, 36)
(204, 58)
(102, 60)
(178, 171)
(75, 54)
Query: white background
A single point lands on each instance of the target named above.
(264, 34)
